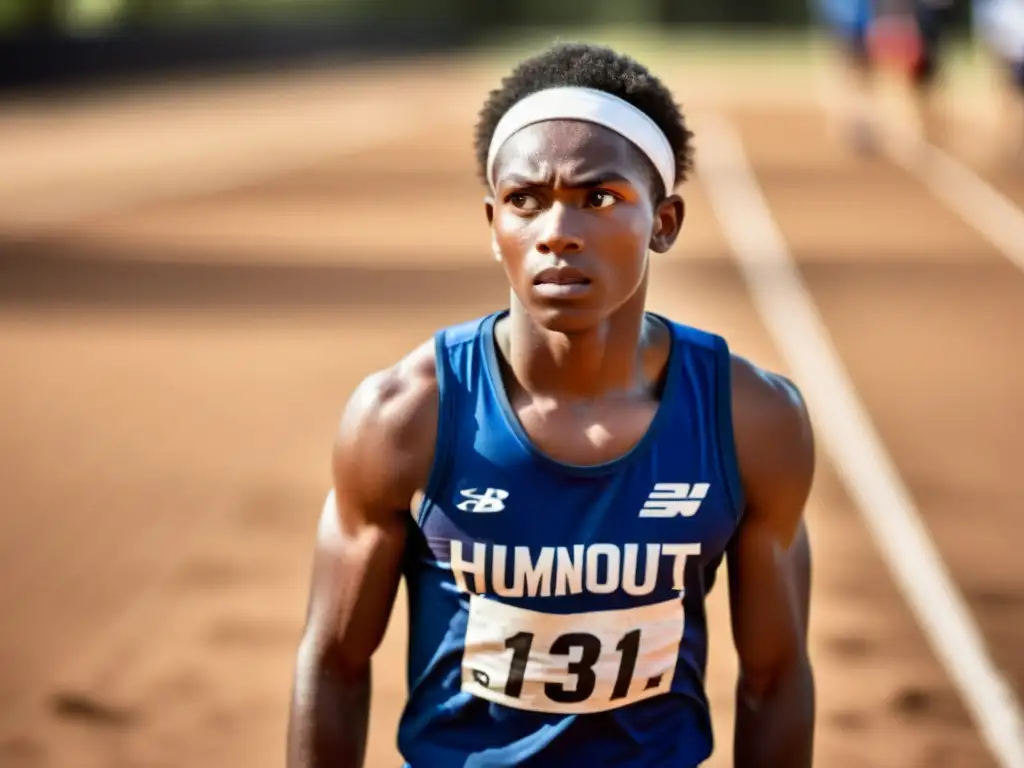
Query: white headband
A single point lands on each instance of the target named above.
(591, 106)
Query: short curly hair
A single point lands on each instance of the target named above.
(588, 66)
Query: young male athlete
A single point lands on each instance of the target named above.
(584, 466)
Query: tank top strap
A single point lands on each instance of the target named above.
(706, 362)
(458, 369)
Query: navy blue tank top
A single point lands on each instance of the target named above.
(557, 611)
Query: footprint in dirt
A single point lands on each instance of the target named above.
(249, 633)
(273, 509)
(22, 751)
(849, 720)
(850, 646)
(85, 708)
(914, 702)
(207, 573)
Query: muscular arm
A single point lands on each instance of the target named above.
(769, 574)
(382, 456)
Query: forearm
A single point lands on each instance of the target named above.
(329, 717)
(775, 723)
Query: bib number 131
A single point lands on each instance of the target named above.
(573, 663)
(583, 669)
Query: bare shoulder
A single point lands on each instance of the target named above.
(384, 445)
(767, 404)
(774, 441)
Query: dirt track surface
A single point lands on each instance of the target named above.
(176, 363)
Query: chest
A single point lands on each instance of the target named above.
(589, 434)
(514, 531)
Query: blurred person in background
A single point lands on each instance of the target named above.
(901, 36)
(582, 468)
(932, 19)
(848, 22)
(999, 25)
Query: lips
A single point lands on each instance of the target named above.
(562, 284)
(561, 276)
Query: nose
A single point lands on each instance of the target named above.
(561, 234)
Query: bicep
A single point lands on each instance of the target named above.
(356, 572)
(799, 564)
(769, 560)
(768, 594)
(382, 455)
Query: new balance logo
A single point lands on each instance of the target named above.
(491, 500)
(674, 499)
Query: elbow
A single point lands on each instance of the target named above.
(775, 715)
(791, 676)
(328, 659)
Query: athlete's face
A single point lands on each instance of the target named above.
(573, 217)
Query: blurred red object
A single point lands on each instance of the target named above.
(894, 42)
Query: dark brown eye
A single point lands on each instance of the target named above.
(601, 199)
(523, 201)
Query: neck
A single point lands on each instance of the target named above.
(586, 364)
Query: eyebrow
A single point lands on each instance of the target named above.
(593, 179)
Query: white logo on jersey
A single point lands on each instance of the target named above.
(491, 500)
(674, 499)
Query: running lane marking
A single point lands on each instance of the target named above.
(847, 434)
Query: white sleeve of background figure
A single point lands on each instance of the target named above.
(999, 24)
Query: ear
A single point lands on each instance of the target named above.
(668, 221)
(489, 211)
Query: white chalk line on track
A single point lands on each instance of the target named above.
(994, 216)
(847, 434)
(980, 205)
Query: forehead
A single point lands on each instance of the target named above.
(571, 148)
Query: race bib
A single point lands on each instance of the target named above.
(570, 664)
